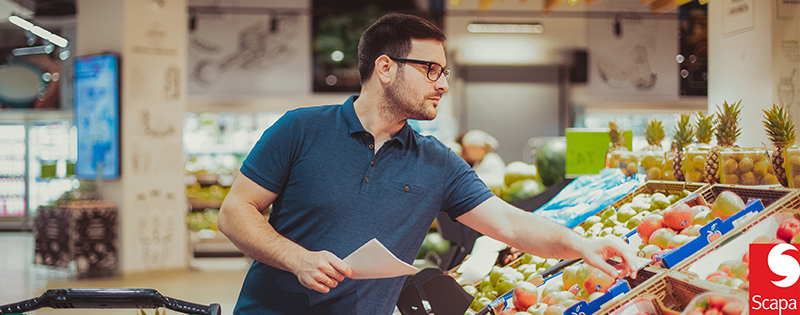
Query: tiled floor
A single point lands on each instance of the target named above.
(210, 280)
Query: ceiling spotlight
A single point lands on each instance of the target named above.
(38, 31)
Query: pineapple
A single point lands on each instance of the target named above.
(727, 132)
(654, 134)
(617, 143)
(618, 155)
(684, 133)
(695, 160)
(654, 161)
(780, 129)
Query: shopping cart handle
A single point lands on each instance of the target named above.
(108, 299)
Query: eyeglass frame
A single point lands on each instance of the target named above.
(445, 71)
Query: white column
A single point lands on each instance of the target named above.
(150, 37)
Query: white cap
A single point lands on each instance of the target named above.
(478, 137)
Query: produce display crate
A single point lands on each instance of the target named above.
(767, 194)
(672, 293)
(662, 186)
(504, 301)
(736, 242)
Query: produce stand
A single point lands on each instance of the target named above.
(108, 299)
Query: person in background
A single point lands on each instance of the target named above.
(338, 176)
(477, 148)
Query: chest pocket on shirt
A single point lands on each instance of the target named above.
(403, 190)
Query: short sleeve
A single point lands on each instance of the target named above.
(270, 160)
(464, 189)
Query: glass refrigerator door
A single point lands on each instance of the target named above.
(12, 174)
(53, 151)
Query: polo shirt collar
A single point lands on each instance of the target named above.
(354, 124)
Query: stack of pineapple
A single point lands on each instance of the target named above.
(656, 162)
(684, 133)
(695, 157)
(618, 155)
(786, 157)
(728, 164)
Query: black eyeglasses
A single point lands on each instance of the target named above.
(435, 70)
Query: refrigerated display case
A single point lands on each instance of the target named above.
(36, 163)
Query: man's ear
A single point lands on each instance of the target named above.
(385, 69)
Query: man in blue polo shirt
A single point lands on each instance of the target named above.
(338, 176)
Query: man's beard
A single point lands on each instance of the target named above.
(401, 106)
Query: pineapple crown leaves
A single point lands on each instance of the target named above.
(654, 132)
(728, 129)
(684, 131)
(706, 126)
(779, 126)
(617, 138)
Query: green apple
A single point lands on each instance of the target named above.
(703, 218)
(527, 270)
(580, 230)
(634, 221)
(625, 213)
(470, 289)
(525, 259)
(537, 309)
(506, 283)
(495, 274)
(550, 262)
(536, 260)
(607, 213)
(620, 230)
(590, 221)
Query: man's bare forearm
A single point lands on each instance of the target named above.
(255, 237)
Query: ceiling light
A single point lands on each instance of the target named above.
(526, 28)
(39, 31)
(32, 50)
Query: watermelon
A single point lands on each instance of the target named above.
(551, 161)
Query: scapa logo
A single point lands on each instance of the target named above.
(774, 274)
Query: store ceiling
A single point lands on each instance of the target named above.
(46, 7)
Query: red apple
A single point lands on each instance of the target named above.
(678, 217)
(717, 301)
(788, 229)
(649, 224)
(598, 281)
(525, 294)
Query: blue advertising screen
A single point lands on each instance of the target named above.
(97, 116)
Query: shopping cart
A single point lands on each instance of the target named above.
(108, 299)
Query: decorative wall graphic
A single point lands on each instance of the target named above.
(141, 160)
(172, 83)
(786, 88)
(627, 65)
(627, 59)
(158, 128)
(267, 55)
(157, 219)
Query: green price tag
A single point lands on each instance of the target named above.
(586, 150)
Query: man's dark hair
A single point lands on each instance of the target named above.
(391, 35)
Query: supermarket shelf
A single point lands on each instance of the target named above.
(209, 243)
(9, 223)
(16, 115)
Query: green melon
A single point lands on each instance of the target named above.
(551, 161)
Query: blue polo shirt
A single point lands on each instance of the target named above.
(335, 193)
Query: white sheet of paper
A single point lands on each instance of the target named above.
(372, 260)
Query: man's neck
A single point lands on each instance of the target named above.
(377, 122)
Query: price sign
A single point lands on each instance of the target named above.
(586, 150)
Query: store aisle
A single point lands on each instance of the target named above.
(210, 280)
